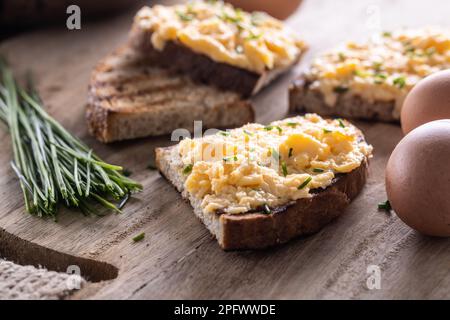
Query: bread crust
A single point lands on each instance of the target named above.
(304, 99)
(259, 230)
(203, 69)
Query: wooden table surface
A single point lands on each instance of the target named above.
(178, 258)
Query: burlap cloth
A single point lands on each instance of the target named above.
(28, 282)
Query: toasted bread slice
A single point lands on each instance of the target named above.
(202, 69)
(371, 79)
(180, 58)
(257, 228)
(304, 99)
(129, 97)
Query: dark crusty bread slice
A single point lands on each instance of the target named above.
(129, 97)
(304, 99)
(201, 68)
(257, 229)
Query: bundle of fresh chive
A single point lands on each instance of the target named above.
(53, 166)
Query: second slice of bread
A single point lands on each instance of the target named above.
(129, 97)
(255, 230)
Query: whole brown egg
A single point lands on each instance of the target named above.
(429, 100)
(418, 179)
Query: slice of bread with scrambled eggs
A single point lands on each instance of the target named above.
(258, 186)
(215, 43)
(371, 80)
(129, 97)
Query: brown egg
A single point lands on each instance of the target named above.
(418, 179)
(280, 9)
(429, 100)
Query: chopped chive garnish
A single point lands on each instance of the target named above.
(340, 89)
(305, 183)
(279, 129)
(377, 66)
(126, 172)
(248, 133)
(266, 209)
(253, 36)
(318, 170)
(284, 168)
(399, 82)
(139, 237)
(379, 78)
(292, 124)
(341, 123)
(227, 17)
(54, 167)
(385, 206)
(188, 169)
(226, 159)
(268, 128)
(387, 34)
(224, 133)
(275, 154)
(380, 75)
(290, 152)
(185, 16)
(327, 130)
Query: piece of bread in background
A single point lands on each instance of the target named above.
(217, 44)
(130, 98)
(280, 9)
(234, 202)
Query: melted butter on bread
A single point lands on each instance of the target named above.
(253, 166)
(256, 42)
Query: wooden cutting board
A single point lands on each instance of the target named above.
(178, 258)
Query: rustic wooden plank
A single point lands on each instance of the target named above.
(178, 258)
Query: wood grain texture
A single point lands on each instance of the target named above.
(178, 258)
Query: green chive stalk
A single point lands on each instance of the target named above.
(52, 165)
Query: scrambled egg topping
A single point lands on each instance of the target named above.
(258, 166)
(250, 41)
(384, 69)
